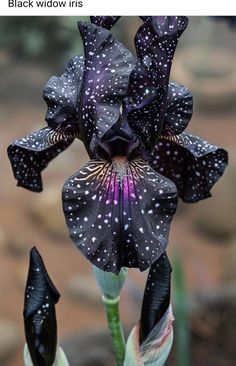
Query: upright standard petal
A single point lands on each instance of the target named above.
(105, 21)
(179, 109)
(191, 163)
(141, 89)
(155, 42)
(141, 105)
(119, 213)
(39, 313)
(108, 65)
(62, 95)
(31, 154)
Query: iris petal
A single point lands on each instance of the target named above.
(145, 120)
(39, 312)
(108, 65)
(62, 96)
(119, 213)
(142, 107)
(105, 21)
(31, 154)
(191, 163)
(179, 109)
(141, 88)
(155, 42)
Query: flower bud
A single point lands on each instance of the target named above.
(39, 313)
(151, 339)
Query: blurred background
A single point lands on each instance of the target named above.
(203, 236)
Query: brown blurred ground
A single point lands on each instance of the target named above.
(204, 234)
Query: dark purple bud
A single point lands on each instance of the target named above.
(39, 312)
(156, 298)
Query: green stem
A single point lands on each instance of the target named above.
(117, 336)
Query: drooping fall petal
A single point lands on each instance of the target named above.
(119, 213)
(31, 154)
(193, 164)
(39, 313)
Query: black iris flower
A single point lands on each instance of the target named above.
(39, 313)
(131, 118)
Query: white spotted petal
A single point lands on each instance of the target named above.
(193, 164)
(127, 225)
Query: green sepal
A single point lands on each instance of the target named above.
(60, 360)
(110, 284)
